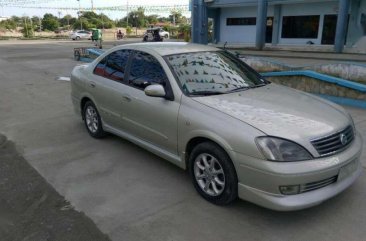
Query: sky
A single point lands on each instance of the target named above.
(7, 11)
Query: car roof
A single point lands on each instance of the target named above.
(155, 28)
(169, 48)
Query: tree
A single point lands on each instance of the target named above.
(67, 20)
(8, 24)
(50, 22)
(122, 23)
(89, 15)
(163, 19)
(93, 20)
(185, 32)
(104, 21)
(128, 30)
(137, 18)
(177, 18)
(152, 19)
(28, 28)
(84, 23)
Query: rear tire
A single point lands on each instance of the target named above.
(92, 120)
(213, 173)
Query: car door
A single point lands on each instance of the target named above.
(152, 119)
(84, 34)
(106, 86)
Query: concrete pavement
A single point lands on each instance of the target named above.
(128, 192)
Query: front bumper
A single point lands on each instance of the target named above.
(259, 180)
(76, 105)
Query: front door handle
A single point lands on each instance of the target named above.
(126, 98)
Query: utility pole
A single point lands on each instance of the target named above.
(174, 12)
(92, 5)
(68, 22)
(79, 14)
(40, 24)
(31, 24)
(127, 12)
(135, 20)
(26, 27)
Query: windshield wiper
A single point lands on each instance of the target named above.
(205, 93)
(259, 85)
(247, 87)
(240, 88)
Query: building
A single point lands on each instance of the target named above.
(288, 22)
(3, 18)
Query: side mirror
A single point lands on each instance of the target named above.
(155, 91)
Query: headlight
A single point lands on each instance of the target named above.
(277, 149)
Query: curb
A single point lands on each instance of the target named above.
(333, 58)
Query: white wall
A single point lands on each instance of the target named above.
(246, 34)
(239, 34)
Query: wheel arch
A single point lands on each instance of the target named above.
(83, 101)
(194, 141)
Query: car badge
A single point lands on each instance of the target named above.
(343, 139)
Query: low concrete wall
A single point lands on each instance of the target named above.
(349, 71)
(315, 86)
(354, 72)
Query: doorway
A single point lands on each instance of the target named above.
(329, 29)
(269, 29)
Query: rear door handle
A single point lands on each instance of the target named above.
(92, 84)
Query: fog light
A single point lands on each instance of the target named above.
(290, 190)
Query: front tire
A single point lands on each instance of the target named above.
(213, 173)
(92, 120)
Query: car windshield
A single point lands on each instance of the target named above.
(211, 73)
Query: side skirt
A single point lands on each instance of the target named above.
(173, 158)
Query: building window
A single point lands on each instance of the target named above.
(363, 22)
(241, 21)
(300, 26)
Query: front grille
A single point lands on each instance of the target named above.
(316, 185)
(334, 143)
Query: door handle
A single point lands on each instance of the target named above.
(126, 98)
(92, 84)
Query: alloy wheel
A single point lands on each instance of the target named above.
(209, 174)
(91, 117)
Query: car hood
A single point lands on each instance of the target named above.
(281, 111)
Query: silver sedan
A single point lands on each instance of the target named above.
(206, 111)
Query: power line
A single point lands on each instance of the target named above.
(184, 8)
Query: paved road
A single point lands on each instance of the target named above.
(130, 193)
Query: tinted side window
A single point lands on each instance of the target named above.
(99, 69)
(116, 64)
(146, 70)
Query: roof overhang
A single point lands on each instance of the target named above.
(243, 3)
